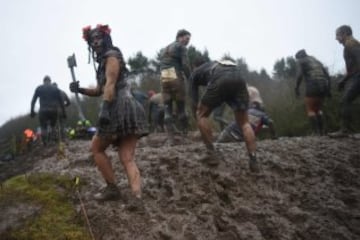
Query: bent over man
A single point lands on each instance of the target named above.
(224, 83)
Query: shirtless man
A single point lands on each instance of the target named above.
(351, 81)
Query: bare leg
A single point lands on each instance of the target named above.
(243, 122)
(202, 116)
(102, 161)
(126, 154)
(313, 109)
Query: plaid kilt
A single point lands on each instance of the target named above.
(127, 118)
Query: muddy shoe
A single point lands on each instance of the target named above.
(136, 204)
(110, 193)
(253, 164)
(211, 158)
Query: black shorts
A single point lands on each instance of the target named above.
(229, 88)
(48, 117)
(316, 88)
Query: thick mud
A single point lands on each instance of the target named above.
(308, 188)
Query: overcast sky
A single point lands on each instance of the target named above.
(38, 35)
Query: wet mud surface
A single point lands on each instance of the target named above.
(308, 188)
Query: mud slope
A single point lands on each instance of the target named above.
(309, 188)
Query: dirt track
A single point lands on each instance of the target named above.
(309, 188)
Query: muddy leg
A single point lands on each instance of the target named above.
(126, 154)
(202, 116)
(101, 159)
(242, 119)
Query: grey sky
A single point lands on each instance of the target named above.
(38, 35)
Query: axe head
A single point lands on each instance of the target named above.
(71, 61)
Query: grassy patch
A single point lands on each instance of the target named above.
(56, 219)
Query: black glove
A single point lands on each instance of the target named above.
(297, 92)
(341, 85)
(32, 114)
(104, 115)
(74, 87)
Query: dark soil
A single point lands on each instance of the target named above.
(308, 188)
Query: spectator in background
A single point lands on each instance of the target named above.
(50, 100)
(156, 111)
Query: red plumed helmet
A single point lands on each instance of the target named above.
(102, 28)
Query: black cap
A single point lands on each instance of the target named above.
(301, 54)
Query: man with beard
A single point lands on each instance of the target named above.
(351, 81)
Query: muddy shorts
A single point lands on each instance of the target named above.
(229, 88)
(316, 88)
(174, 89)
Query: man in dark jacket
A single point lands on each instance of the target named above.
(351, 81)
(224, 83)
(175, 68)
(317, 87)
(50, 100)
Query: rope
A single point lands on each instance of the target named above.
(77, 180)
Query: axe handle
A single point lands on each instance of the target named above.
(81, 113)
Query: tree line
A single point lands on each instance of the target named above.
(276, 88)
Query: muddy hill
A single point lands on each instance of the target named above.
(308, 188)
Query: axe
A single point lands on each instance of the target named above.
(72, 64)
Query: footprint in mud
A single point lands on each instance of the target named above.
(345, 176)
(172, 161)
(354, 160)
(172, 228)
(297, 215)
(222, 194)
